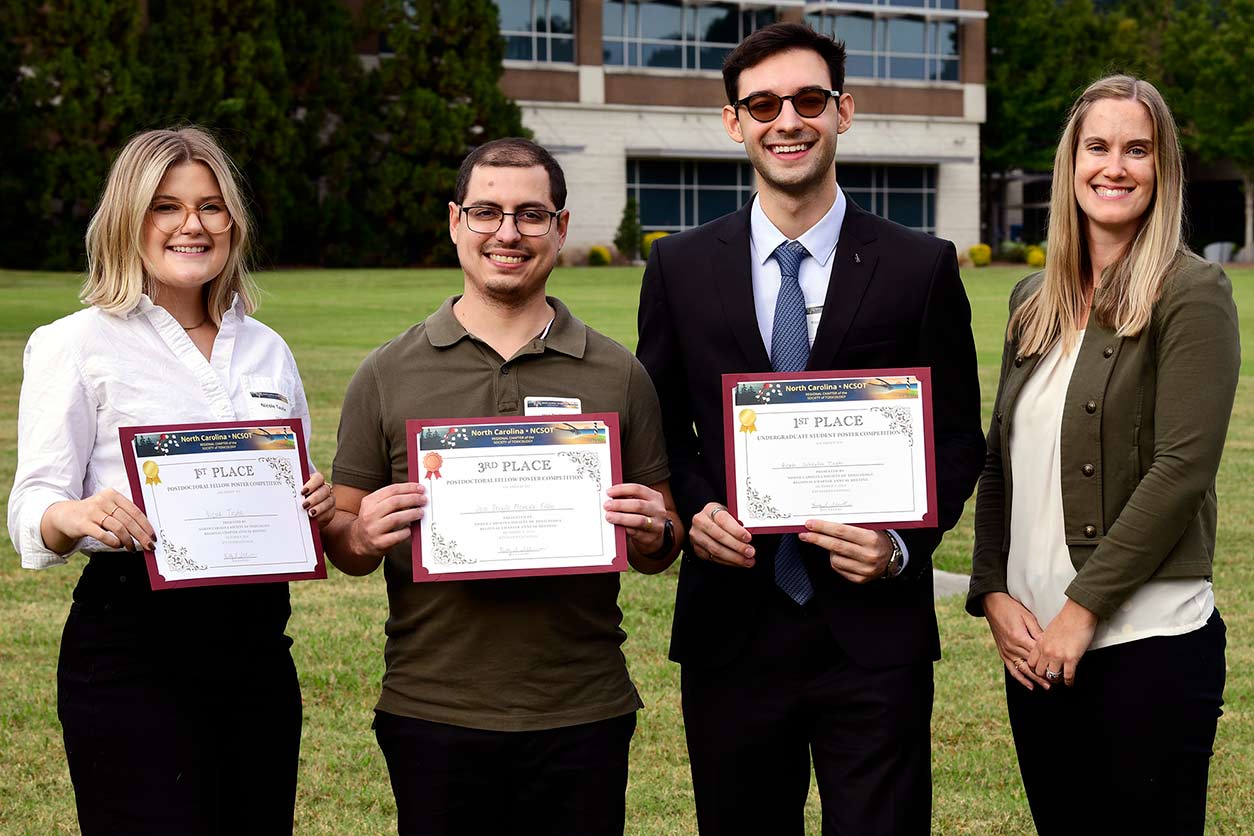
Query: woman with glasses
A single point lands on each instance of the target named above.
(180, 709)
(1096, 512)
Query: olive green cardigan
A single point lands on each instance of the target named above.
(1143, 428)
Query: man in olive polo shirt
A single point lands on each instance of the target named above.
(506, 704)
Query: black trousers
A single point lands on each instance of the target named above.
(753, 726)
(180, 709)
(1127, 748)
(455, 781)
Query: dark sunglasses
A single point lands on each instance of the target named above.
(808, 102)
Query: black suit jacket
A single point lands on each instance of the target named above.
(895, 299)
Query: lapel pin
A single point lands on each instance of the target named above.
(857, 258)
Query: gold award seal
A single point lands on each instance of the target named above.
(150, 470)
(747, 418)
(432, 462)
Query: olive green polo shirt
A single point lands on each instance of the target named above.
(511, 654)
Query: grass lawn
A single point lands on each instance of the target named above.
(331, 319)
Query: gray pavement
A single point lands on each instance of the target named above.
(945, 584)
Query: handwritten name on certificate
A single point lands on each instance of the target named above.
(224, 499)
(511, 497)
(846, 446)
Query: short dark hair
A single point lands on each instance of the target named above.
(779, 37)
(512, 152)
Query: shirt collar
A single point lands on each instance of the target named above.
(565, 333)
(819, 240)
(145, 305)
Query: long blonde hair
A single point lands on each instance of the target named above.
(1131, 285)
(116, 274)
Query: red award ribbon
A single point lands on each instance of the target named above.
(432, 462)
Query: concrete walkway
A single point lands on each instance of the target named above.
(945, 584)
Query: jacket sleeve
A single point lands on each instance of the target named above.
(1198, 358)
(947, 346)
(660, 353)
(988, 558)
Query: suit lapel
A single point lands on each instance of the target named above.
(854, 265)
(730, 266)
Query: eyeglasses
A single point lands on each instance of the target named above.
(808, 102)
(530, 222)
(170, 217)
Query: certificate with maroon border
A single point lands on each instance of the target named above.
(515, 496)
(224, 498)
(845, 446)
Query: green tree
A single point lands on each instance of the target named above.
(330, 108)
(221, 64)
(1042, 54)
(70, 99)
(627, 238)
(1209, 50)
(438, 96)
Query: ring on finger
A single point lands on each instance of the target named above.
(1052, 675)
(1018, 664)
(714, 512)
(648, 523)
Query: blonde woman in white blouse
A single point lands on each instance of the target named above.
(180, 709)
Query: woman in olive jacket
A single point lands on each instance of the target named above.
(1093, 563)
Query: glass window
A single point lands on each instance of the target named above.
(515, 15)
(946, 38)
(540, 30)
(518, 48)
(718, 24)
(612, 18)
(674, 195)
(895, 47)
(661, 207)
(905, 34)
(661, 20)
(905, 194)
(715, 204)
(661, 55)
(945, 70)
(561, 17)
(667, 33)
(855, 31)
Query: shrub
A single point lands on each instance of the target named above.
(598, 256)
(981, 255)
(1034, 256)
(648, 242)
(1013, 251)
(627, 239)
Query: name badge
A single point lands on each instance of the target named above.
(813, 314)
(551, 405)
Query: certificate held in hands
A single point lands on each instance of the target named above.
(509, 497)
(224, 498)
(853, 447)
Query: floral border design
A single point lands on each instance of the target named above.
(587, 465)
(282, 470)
(761, 506)
(898, 420)
(446, 552)
(176, 557)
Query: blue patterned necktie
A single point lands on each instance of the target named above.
(790, 351)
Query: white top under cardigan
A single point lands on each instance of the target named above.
(89, 373)
(1039, 567)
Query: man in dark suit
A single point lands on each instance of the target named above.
(819, 644)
